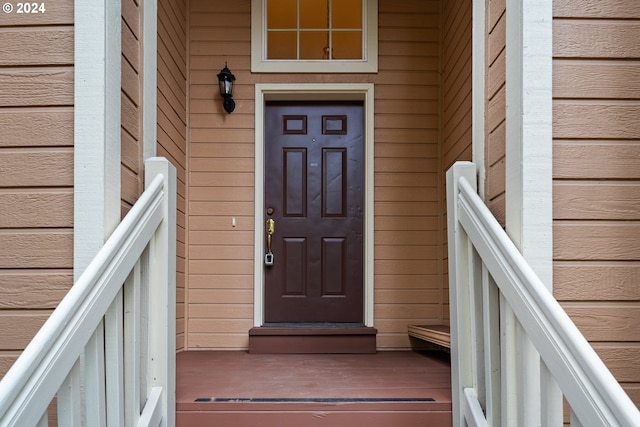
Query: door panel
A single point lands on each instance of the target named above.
(295, 181)
(313, 191)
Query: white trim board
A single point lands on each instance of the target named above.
(529, 186)
(313, 92)
(97, 59)
(529, 157)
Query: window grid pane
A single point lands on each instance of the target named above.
(317, 37)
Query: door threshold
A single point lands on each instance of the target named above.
(312, 325)
(312, 339)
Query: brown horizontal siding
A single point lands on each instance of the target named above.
(51, 45)
(612, 9)
(615, 39)
(36, 127)
(22, 208)
(495, 108)
(596, 119)
(27, 167)
(36, 171)
(131, 176)
(596, 280)
(39, 288)
(596, 176)
(408, 276)
(221, 172)
(17, 327)
(617, 200)
(619, 79)
(455, 101)
(36, 86)
(621, 360)
(171, 129)
(606, 321)
(606, 240)
(36, 248)
(576, 159)
(60, 13)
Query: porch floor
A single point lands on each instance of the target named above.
(382, 389)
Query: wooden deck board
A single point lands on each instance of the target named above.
(385, 375)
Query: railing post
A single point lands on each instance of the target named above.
(162, 310)
(461, 353)
(70, 398)
(94, 379)
(133, 379)
(114, 362)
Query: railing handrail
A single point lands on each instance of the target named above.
(571, 351)
(34, 378)
(45, 340)
(590, 388)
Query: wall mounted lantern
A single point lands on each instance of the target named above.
(225, 80)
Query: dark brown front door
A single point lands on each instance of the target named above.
(314, 193)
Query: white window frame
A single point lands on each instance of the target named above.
(259, 63)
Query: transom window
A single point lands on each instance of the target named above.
(314, 29)
(314, 35)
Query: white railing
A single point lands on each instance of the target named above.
(498, 304)
(108, 350)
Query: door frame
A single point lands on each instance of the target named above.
(313, 92)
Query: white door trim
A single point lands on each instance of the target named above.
(314, 92)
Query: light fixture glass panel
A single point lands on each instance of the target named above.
(346, 14)
(314, 14)
(226, 87)
(281, 45)
(282, 14)
(347, 45)
(313, 44)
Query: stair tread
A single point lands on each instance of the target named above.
(437, 334)
(315, 330)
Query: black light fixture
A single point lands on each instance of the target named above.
(225, 80)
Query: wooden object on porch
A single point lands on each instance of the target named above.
(312, 340)
(436, 334)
